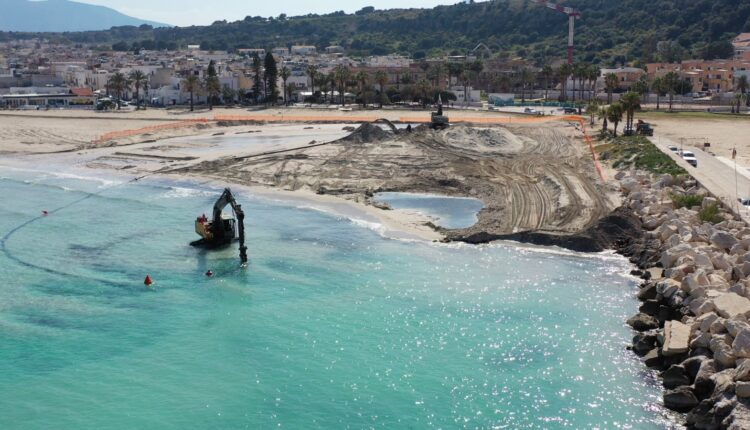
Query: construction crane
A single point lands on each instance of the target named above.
(572, 16)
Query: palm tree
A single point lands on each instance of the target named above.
(424, 91)
(547, 74)
(118, 83)
(285, 73)
(614, 114)
(611, 83)
(564, 72)
(630, 101)
(381, 78)
(138, 80)
(312, 73)
(582, 71)
(740, 98)
(742, 85)
(657, 86)
(191, 84)
(593, 74)
(213, 89)
(593, 109)
(342, 75)
(525, 78)
(671, 80)
(602, 114)
(362, 79)
(331, 81)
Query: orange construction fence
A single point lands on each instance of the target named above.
(127, 133)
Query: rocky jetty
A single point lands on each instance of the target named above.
(693, 325)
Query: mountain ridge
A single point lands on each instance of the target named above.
(59, 16)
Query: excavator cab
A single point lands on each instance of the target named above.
(223, 228)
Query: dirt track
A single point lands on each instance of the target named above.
(538, 178)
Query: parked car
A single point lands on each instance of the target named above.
(674, 149)
(744, 202)
(570, 110)
(529, 110)
(689, 156)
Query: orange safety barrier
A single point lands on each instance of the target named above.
(127, 133)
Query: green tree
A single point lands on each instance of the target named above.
(547, 76)
(118, 83)
(138, 79)
(593, 109)
(564, 73)
(285, 74)
(212, 85)
(630, 101)
(228, 95)
(614, 115)
(312, 74)
(742, 85)
(363, 78)
(671, 82)
(611, 83)
(271, 76)
(592, 74)
(257, 67)
(657, 86)
(192, 85)
(381, 78)
(342, 75)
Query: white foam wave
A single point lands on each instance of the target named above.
(175, 192)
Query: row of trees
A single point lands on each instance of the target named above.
(119, 84)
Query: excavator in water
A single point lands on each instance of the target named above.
(222, 229)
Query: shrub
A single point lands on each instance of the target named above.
(686, 201)
(711, 213)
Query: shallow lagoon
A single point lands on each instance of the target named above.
(448, 212)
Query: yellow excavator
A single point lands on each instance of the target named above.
(222, 229)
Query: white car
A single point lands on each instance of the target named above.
(689, 156)
(744, 202)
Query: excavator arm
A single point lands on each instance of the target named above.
(217, 224)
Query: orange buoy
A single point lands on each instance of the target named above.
(148, 281)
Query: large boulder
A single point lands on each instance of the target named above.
(671, 255)
(676, 338)
(703, 383)
(741, 344)
(648, 292)
(722, 349)
(739, 418)
(643, 322)
(723, 240)
(674, 377)
(742, 389)
(742, 372)
(681, 399)
(729, 305)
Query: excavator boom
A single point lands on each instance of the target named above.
(221, 231)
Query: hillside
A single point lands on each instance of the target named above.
(61, 16)
(609, 32)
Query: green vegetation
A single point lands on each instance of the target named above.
(711, 213)
(686, 201)
(640, 153)
(609, 32)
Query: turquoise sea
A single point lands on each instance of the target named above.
(330, 327)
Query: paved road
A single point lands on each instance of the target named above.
(712, 173)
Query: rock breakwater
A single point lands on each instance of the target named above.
(693, 325)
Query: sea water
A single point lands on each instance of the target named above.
(331, 326)
(448, 212)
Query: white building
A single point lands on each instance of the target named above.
(304, 50)
(469, 95)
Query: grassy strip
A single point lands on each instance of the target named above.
(638, 152)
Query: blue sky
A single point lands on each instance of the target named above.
(201, 12)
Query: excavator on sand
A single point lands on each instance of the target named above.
(222, 229)
(438, 121)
